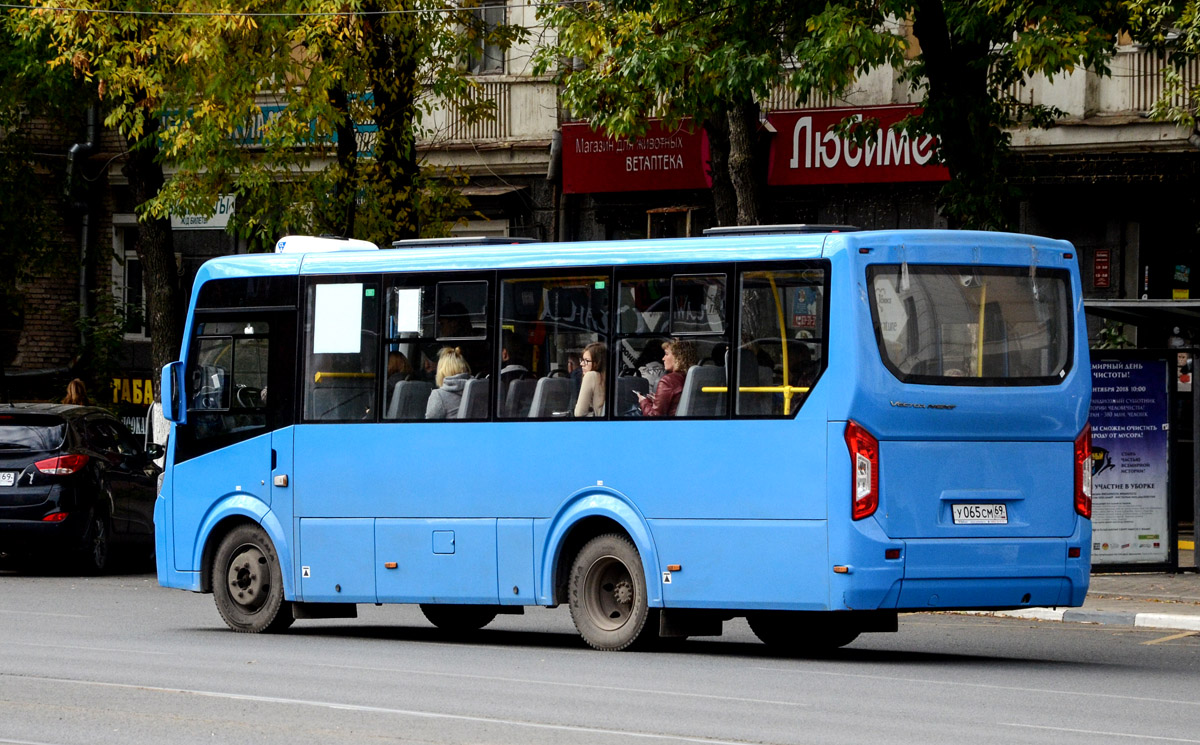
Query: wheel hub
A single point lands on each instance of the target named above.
(609, 593)
(248, 578)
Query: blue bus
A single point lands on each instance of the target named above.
(815, 429)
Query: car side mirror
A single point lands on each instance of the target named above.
(154, 451)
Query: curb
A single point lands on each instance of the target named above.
(1076, 615)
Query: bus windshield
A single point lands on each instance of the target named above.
(972, 325)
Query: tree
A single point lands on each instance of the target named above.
(249, 103)
(27, 94)
(675, 58)
(1172, 28)
(633, 60)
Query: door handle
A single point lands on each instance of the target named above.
(281, 480)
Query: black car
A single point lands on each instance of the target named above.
(74, 482)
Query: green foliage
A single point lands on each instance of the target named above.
(1172, 29)
(1112, 336)
(670, 59)
(634, 59)
(102, 338)
(255, 105)
(27, 92)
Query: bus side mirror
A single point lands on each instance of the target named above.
(172, 384)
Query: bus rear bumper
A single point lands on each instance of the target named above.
(993, 575)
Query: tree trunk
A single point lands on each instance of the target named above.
(156, 251)
(973, 147)
(391, 43)
(743, 124)
(346, 187)
(724, 197)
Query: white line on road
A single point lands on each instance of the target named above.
(987, 686)
(530, 681)
(1099, 732)
(41, 613)
(85, 649)
(385, 710)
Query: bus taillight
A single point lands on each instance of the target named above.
(864, 459)
(1083, 472)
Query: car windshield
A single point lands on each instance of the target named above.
(31, 431)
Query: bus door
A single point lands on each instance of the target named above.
(236, 443)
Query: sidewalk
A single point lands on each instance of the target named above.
(1153, 600)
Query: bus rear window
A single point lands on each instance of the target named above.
(972, 325)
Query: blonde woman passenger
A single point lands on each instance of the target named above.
(452, 376)
(593, 362)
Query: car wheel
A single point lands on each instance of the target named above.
(607, 591)
(248, 584)
(95, 555)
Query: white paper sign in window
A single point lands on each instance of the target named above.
(408, 310)
(337, 319)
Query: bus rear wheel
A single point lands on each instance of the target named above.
(607, 591)
(801, 634)
(248, 584)
(458, 619)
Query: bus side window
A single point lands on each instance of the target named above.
(782, 349)
(423, 317)
(341, 349)
(550, 325)
(651, 311)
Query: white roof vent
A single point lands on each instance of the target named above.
(298, 244)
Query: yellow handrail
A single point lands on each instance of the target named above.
(786, 390)
(787, 393)
(335, 375)
(982, 314)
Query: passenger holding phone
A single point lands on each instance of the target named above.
(678, 356)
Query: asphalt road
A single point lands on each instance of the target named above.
(119, 660)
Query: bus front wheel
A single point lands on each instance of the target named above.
(248, 584)
(607, 592)
(801, 634)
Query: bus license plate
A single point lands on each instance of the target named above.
(8, 478)
(975, 514)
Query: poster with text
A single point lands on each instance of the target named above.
(1129, 418)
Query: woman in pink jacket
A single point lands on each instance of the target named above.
(678, 356)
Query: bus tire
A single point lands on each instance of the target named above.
(248, 584)
(607, 591)
(458, 619)
(801, 634)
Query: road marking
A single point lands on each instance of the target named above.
(986, 686)
(41, 613)
(530, 681)
(1099, 732)
(1170, 638)
(383, 710)
(24, 742)
(86, 649)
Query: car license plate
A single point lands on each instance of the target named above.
(8, 478)
(976, 514)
